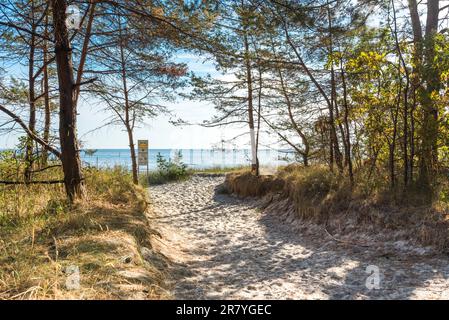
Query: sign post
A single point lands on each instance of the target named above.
(143, 153)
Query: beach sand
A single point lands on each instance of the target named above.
(227, 248)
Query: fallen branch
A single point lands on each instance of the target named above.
(31, 182)
(344, 241)
(46, 168)
(31, 134)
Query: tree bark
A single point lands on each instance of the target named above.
(133, 155)
(346, 124)
(334, 148)
(259, 108)
(305, 141)
(249, 81)
(333, 104)
(128, 121)
(392, 145)
(29, 156)
(429, 132)
(83, 56)
(71, 163)
(426, 73)
(47, 110)
(406, 169)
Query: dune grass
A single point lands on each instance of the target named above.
(326, 197)
(43, 240)
(221, 170)
(159, 177)
(174, 174)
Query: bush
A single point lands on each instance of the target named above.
(168, 170)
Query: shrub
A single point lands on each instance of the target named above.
(168, 170)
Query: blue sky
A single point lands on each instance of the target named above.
(158, 131)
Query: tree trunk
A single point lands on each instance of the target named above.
(29, 157)
(346, 124)
(259, 111)
(47, 111)
(412, 138)
(333, 100)
(335, 153)
(71, 163)
(249, 81)
(392, 145)
(293, 122)
(305, 159)
(429, 132)
(83, 56)
(406, 93)
(128, 121)
(415, 76)
(426, 73)
(391, 164)
(331, 151)
(133, 155)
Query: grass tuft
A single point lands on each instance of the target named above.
(317, 194)
(42, 237)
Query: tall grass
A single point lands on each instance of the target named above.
(41, 235)
(320, 195)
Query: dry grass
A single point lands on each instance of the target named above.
(221, 170)
(107, 237)
(319, 195)
(243, 183)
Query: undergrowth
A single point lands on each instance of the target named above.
(325, 197)
(43, 239)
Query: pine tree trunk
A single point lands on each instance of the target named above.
(346, 124)
(127, 119)
(426, 73)
(47, 111)
(71, 163)
(249, 81)
(429, 132)
(29, 157)
(133, 155)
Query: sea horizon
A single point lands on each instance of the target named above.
(197, 158)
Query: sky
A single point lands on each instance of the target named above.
(160, 133)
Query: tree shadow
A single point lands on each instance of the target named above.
(280, 262)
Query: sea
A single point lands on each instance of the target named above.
(193, 158)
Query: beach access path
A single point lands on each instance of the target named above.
(228, 248)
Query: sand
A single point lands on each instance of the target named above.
(228, 248)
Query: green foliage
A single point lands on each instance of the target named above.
(168, 170)
(8, 163)
(90, 152)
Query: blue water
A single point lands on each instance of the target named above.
(194, 158)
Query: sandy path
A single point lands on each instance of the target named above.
(232, 250)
